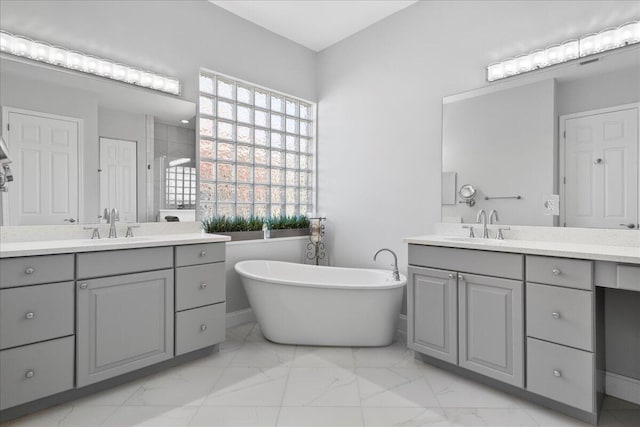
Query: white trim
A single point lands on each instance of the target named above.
(624, 388)
(80, 123)
(240, 317)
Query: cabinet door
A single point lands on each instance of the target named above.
(491, 331)
(432, 313)
(123, 323)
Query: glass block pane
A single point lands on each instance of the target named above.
(304, 196)
(226, 151)
(261, 99)
(305, 111)
(304, 179)
(261, 194)
(292, 108)
(244, 173)
(226, 172)
(262, 156)
(225, 89)
(261, 137)
(206, 105)
(276, 210)
(226, 210)
(277, 176)
(305, 145)
(260, 118)
(260, 210)
(244, 114)
(292, 195)
(277, 159)
(207, 192)
(206, 127)
(226, 192)
(291, 210)
(276, 121)
(304, 162)
(261, 175)
(225, 110)
(292, 178)
(276, 140)
(292, 161)
(304, 209)
(292, 125)
(245, 194)
(276, 103)
(225, 130)
(207, 210)
(245, 154)
(277, 195)
(244, 134)
(305, 128)
(243, 211)
(292, 143)
(245, 95)
(206, 84)
(206, 148)
(207, 171)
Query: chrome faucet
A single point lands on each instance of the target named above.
(493, 216)
(482, 218)
(112, 217)
(396, 273)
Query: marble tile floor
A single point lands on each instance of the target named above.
(253, 382)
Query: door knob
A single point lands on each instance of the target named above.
(460, 277)
(629, 226)
(71, 220)
(452, 276)
(30, 315)
(30, 374)
(557, 373)
(597, 161)
(203, 328)
(556, 272)
(84, 285)
(203, 253)
(555, 315)
(30, 270)
(203, 286)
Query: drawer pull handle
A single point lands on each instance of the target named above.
(203, 253)
(555, 315)
(84, 285)
(30, 374)
(203, 286)
(452, 276)
(30, 315)
(460, 277)
(30, 270)
(557, 373)
(556, 272)
(203, 328)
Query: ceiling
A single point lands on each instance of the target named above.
(315, 24)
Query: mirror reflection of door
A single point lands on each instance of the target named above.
(45, 167)
(601, 168)
(118, 172)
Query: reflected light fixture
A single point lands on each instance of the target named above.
(180, 161)
(61, 57)
(184, 121)
(590, 44)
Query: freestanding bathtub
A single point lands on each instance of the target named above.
(329, 306)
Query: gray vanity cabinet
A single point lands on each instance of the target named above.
(432, 313)
(124, 323)
(491, 327)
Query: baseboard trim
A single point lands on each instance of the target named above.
(240, 317)
(624, 388)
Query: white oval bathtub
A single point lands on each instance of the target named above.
(331, 306)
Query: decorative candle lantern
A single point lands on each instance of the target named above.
(315, 247)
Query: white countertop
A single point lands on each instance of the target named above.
(49, 247)
(623, 254)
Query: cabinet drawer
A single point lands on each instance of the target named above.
(35, 313)
(199, 285)
(199, 254)
(34, 371)
(35, 269)
(561, 373)
(111, 263)
(628, 277)
(560, 315)
(487, 263)
(572, 273)
(199, 328)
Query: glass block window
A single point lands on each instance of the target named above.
(256, 150)
(180, 187)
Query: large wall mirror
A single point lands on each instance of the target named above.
(82, 144)
(555, 148)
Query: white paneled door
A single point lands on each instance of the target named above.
(45, 169)
(118, 170)
(601, 169)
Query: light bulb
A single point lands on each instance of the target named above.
(159, 82)
(510, 67)
(146, 80)
(606, 39)
(6, 41)
(133, 76)
(495, 71)
(21, 46)
(105, 68)
(75, 60)
(40, 51)
(555, 54)
(57, 55)
(628, 33)
(91, 64)
(172, 86)
(588, 44)
(571, 49)
(539, 58)
(119, 72)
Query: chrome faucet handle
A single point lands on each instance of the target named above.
(116, 214)
(472, 234)
(499, 235)
(95, 234)
(105, 215)
(493, 215)
(130, 230)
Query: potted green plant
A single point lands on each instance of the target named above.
(240, 228)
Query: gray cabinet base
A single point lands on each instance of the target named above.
(588, 417)
(67, 396)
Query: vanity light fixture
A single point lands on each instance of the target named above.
(590, 44)
(61, 57)
(184, 121)
(180, 161)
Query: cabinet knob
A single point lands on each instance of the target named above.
(203, 253)
(556, 272)
(460, 277)
(30, 374)
(84, 285)
(557, 373)
(30, 315)
(203, 286)
(555, 315)
(203, 328)
(30, 270)
(452, 276)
